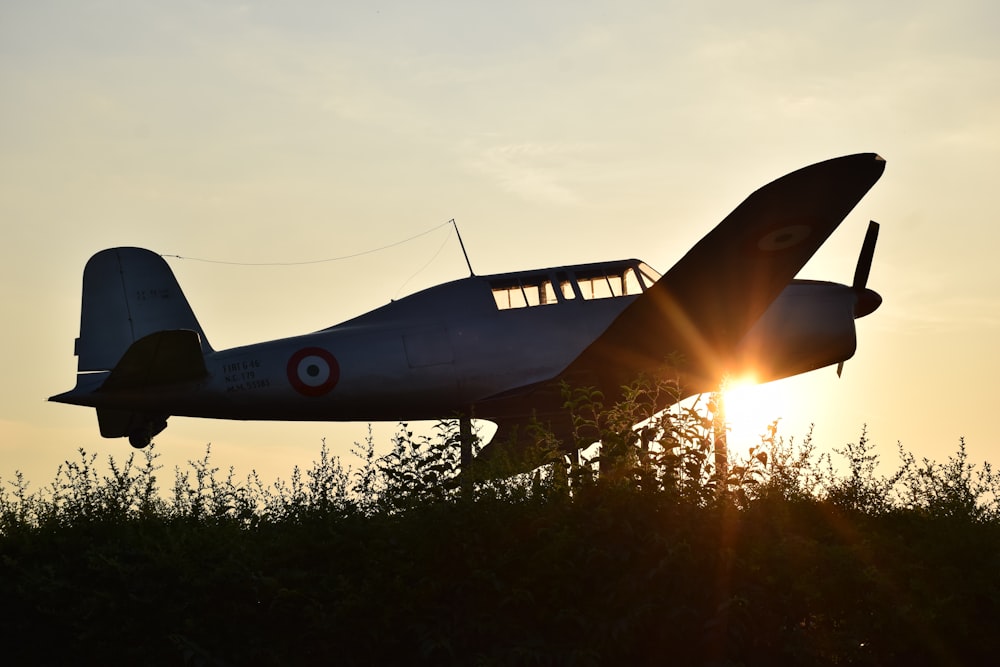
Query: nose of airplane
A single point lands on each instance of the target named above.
(867, 303)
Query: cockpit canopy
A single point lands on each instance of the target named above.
(591, 281)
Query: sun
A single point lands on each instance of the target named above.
(752, 407)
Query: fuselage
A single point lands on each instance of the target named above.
(469, 343)
(424, 356)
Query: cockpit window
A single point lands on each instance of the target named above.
(523, 292)
(648, 275)
(593, 282)
(565, 286)
(607, 282)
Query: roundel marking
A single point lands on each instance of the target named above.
(313, 371)
(784, 237)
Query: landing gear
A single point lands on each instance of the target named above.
(143, 434)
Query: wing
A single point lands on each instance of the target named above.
(700, 309)
(692, 318)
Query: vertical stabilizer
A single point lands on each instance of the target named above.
(128, 293)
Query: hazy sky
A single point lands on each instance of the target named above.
(555, 133)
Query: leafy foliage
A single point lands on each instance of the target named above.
(644, 553)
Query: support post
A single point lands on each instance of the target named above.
(719, 440)
(465, 439)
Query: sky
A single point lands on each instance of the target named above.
(553, 133)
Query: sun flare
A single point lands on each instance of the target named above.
(751, 407)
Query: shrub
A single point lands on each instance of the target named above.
(648, 552)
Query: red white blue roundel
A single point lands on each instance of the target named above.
(313, 371)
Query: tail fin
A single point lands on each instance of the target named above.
(128, 293)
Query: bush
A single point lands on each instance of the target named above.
(651, 551)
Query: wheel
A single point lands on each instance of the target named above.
(140, 437)
(143, 434)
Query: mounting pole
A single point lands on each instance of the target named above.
(464, 254)
(465, 438)
(719, 439)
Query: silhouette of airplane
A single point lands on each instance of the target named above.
(494, 347)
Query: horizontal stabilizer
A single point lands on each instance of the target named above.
(164, 357)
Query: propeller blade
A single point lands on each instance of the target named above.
(867, 300)
(865, 259)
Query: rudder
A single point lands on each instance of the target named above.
(128, 293)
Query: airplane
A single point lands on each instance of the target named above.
(495, 347)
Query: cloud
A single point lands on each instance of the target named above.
(548, 173)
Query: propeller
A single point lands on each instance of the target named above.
(867, 300)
